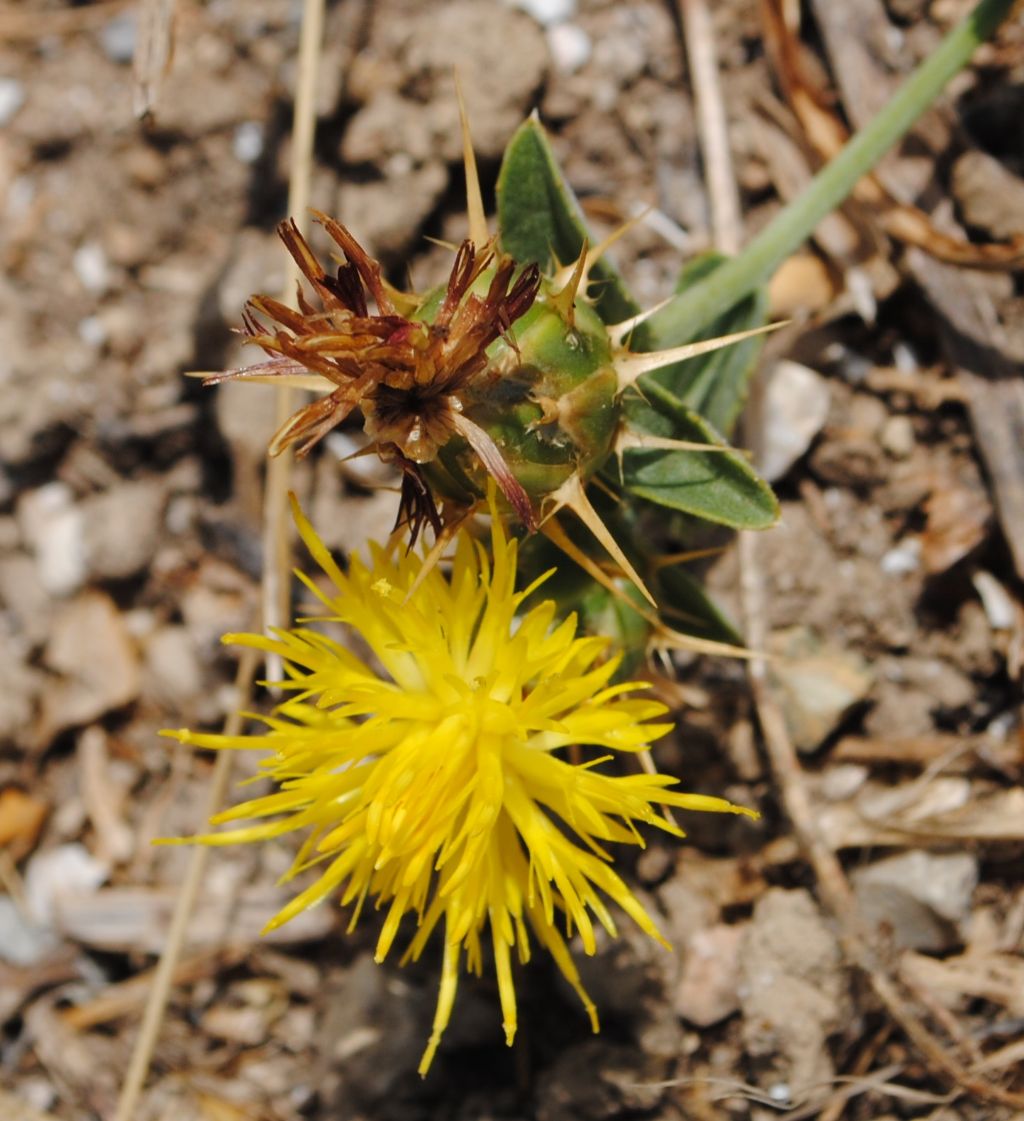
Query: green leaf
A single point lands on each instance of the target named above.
(716, 384)
(717, 486)
(687, 607)
(610, 615)
(540, 218)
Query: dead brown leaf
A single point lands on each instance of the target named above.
(957, 522)
(21, 819)
(995, 977)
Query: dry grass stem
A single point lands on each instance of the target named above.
(163, 977)
(275, 585)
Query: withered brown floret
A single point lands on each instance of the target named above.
(405, 375)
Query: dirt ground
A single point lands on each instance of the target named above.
(130, 541)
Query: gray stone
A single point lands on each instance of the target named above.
(708, 989)
(547, 12)
(990, 195)
(122, 528)
(818, 684)
(24, 599)
(118, 38)
(95, 659)
(796, 404)
(387, 215)
(920, 899)
(53, 528)
(12, 97)
(792, 989)
(570, 47)
(22, 940)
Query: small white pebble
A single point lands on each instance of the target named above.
(64, 870)
(53, 528)
(118, 38)
(999, 606)
(570, 47)
(399, 165)
(904, 358)
(843, 781)
(90, 265)
(248, 141)
(903, 559)
(779, 1092)
(897, 436)
(12, 97)
(547, 12)
(91, 331)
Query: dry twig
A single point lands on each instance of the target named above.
(275, 594)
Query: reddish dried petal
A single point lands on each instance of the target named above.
(498, 469)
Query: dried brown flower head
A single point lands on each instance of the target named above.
(406, 375)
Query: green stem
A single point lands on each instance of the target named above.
(694, 309)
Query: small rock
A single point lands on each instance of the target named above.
(622, 54)
(502, 59)
(24, 598)
(689, 910)
(708, 987)
(386, 215)
(118, 38)
(897, 437)
(1000, 608)
(246, 418)
(387, 125)
(92, 331)
(570, 47)
(64, 870)
(842, 781)
(792, 990)
(921, 898)
(547, 12)
(796, 407)
(91, 267)
(53, 528)
(818, 684)
(12, 97)
(257, 264)
(222, 600)
(903, 559)
(247, 143)
(123, 526)
(173, 671)
(23, 941)
(991, 197)
(91, 650)
(22, 686)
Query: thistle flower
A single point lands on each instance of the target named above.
(407, 375)
(502, 373)
(437, 785)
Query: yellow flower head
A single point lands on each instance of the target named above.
(436, 784)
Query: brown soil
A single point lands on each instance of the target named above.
(130, 541)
